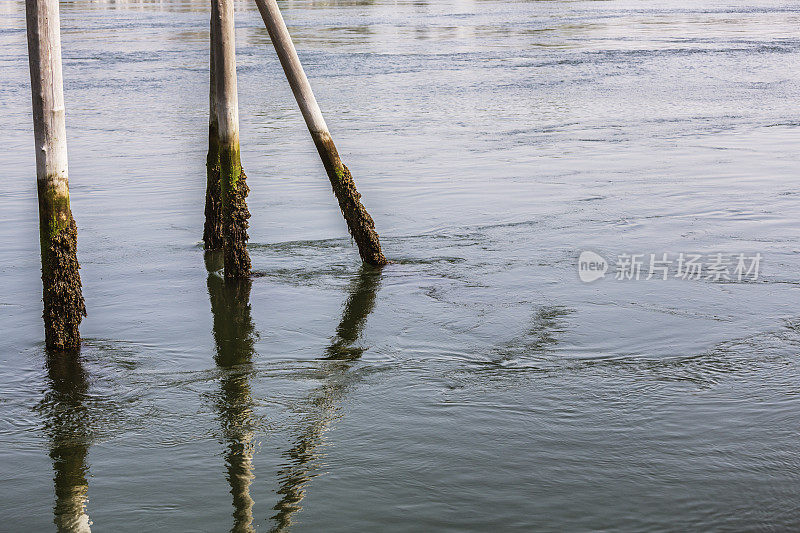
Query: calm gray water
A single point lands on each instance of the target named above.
(474, 384)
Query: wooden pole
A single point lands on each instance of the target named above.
(359, 223)
(64, 307)
(212, 230)
(233, 186)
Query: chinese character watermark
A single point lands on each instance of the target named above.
(718, 267)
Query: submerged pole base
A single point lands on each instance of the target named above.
(359, 223)
(64, 307)
(212, 229)
(234, 229)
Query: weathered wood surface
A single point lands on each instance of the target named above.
(63, 299)
(359, 222)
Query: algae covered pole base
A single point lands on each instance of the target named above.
(359, 223)
(63, 299)
(232, 180)
(212, 230)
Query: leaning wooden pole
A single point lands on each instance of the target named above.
(63, 299)
(233, 185)
(360, 224)
(212, 230)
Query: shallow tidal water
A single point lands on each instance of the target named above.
(474, 384)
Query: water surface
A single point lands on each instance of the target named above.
(474, 384)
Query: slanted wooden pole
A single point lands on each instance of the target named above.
(360, 224)
(233, 186)
(63, 299)
(212, 230)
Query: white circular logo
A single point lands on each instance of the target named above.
(591, 266)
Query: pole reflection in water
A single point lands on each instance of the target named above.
(339, 357)
(234, 336)
(67, 424)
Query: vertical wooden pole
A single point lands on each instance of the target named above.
(63, 299)
(212, 230)
(233, 184)
(359, 223)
